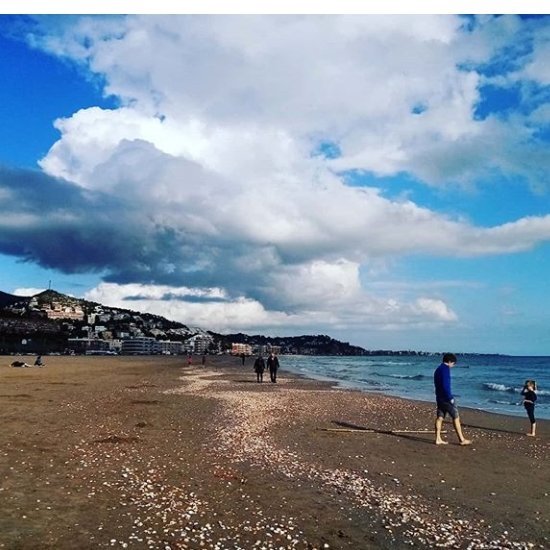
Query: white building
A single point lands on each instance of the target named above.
(169, 347)
(143, 345)
(83, 345)
(238, 349)
(55, 310)
(198, 344)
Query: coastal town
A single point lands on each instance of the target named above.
(54, 322)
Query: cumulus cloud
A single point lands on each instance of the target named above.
(179, 304)
(27, 291)
(225, 314)
(206, 176)
(396, 93)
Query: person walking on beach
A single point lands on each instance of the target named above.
(446, 401)
(273, 366)
(259, 367)
(529, 398)
(243, 358)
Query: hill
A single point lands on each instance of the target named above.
(320, 344)
(10, 299)
(47, 320)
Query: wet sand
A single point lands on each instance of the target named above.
(126, 452)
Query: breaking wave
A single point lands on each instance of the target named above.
(490, 386)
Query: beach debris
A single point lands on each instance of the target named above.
(162, 514)
(244, 436)
(375, 431)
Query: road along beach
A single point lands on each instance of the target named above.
(148, 452)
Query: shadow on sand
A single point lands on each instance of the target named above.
(487, 429)
(383, 432)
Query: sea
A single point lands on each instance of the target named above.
(486, 382)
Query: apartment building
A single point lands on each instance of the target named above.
(239, 349)
(143, 345)
(170, 348)
(83, 345)
(55, 310)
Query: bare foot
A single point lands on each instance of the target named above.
(530, 435)
(465, 442)
(441, 442)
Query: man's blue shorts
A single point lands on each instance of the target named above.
(446, 407)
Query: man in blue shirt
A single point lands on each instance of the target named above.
(446, 401)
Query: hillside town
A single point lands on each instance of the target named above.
(54, 322)
(96, 329)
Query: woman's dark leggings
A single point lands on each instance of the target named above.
(530, 408)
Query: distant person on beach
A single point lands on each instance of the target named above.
(259, 367)
(20, 364)
(445, 400)
(243, 358)
(529, 398)
(273, 366)
(203, 360)
(189, 360)
(38, 361)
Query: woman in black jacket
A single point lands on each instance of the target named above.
(273, 365)
(259, 367)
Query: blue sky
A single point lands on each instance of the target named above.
(234, 173)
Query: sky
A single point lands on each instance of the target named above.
(381, 179)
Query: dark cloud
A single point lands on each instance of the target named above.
(188, 298)
(59, 225)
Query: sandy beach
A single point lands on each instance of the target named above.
(148, 452)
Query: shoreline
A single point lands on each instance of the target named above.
(341, 385)
(351, 385)
(505, 431)
(230, 362)
(148, 452)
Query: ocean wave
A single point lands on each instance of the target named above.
(369, 381)
(392, 363)
(490, 386)
(501, 402)
(401, 376)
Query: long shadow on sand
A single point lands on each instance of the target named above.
(487, 429)
(378, 431)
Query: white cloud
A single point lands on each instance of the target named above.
(350, 79)
(171, 302)
(288, 215)
(27, 291)
(229, 315)
(235, 89)
(537, 68)
(437, 308)
(210, 158)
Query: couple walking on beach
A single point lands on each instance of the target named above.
(272, 365)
